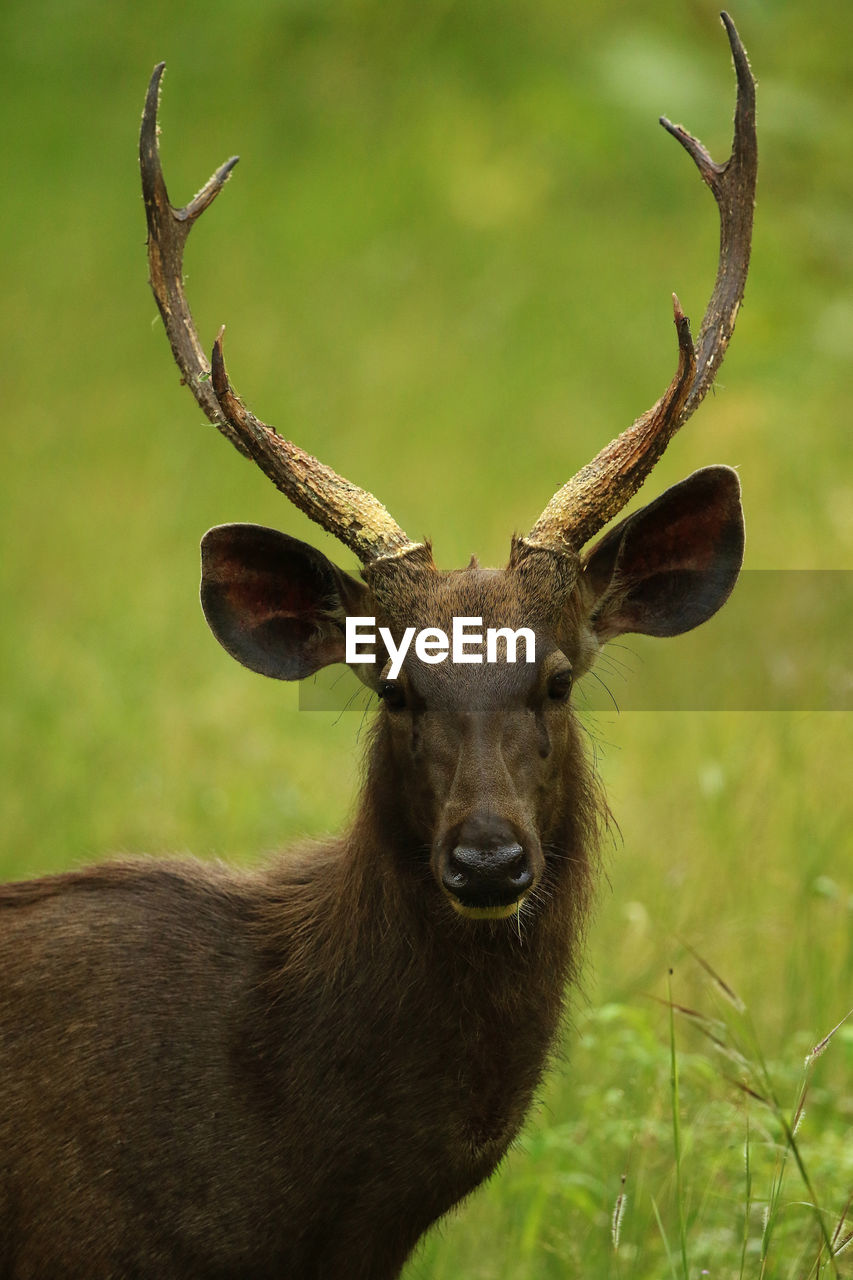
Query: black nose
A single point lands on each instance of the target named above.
(483, 878)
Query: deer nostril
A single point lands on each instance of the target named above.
(511, 857)
(519, 874)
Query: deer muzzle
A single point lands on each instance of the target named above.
(484, 870)
(487, 884)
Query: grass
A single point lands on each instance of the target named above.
(445, 261)
(714, 1159)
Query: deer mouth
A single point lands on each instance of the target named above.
(497, 912)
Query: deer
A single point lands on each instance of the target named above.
(294, 1070)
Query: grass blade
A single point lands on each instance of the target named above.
(676, 1131)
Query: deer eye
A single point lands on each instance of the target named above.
(393, 695)
(560, 685)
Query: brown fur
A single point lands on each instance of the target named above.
(210, 1074)
(292, 1072)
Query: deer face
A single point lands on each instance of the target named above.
(480, 745)
(483, 751)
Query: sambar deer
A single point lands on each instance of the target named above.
(294, 1071)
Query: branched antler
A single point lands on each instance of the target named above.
(598, 491)
(602, 488)
(352, 514)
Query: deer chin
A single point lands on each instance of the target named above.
(486, 913)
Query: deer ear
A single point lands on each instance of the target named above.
(670, 565)
(277, 605)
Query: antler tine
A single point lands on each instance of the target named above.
(353, 515)
(733, 185)
(602, 488)
(168, 230)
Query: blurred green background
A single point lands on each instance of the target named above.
(445, 261)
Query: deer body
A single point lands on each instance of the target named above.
(273, 1084)
(222, 1075)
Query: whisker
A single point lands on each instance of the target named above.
(605, 687)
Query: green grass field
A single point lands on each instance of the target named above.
(445, 261)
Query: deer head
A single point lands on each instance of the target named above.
(482, 755)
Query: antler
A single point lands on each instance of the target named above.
(605, 485)
(353, 515)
